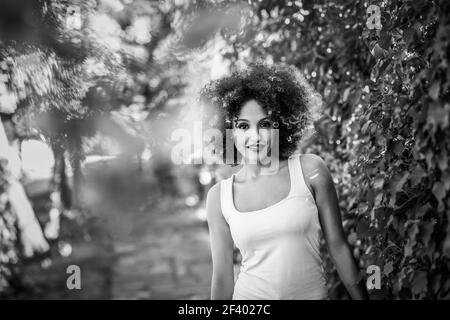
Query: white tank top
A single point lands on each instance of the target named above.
(279, 244)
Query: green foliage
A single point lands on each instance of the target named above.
(64, 65)
(46, 71)
(8, 237)
(386, 132)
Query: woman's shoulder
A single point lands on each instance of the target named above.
(312, 163)
(213, 201)
(315, 171)
(214, 191)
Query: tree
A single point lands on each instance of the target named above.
(66, 65)
(42, 60)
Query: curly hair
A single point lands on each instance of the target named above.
(282, 91)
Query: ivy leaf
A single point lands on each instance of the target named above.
(383, 215)
(423, 210)
(413, 231)
(439, 190)
(346, 94)
(398, 147)
(446, 178)
(419, 282)
(417, 174)
(362, 207)
(388, 268)
(409, 247)
(426, 231)
(438, 115)
(436, 283)
(442, 160)
(398, 181)
(362, 228)
(381, 140)
(410, 36)
(385, 40)
(378, 52)
(433, 91)
(384, 68)
(370, 197)
(378, 199)
(379, 182)
(352, 238)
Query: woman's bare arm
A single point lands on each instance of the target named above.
(222, 282)
(319, 178)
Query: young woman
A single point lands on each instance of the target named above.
(275, 206)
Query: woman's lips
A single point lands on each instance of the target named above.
(255, 147)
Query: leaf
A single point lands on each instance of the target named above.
(398, 147)
(399, 283)
(442, 160)
(409, 247)
(381, 140)
(410, 36)
(365, 127)
(435, 283)
(419, 282)
(423, 210)
(370, 197)
(362, 207)
(378, 199)
(378, 182)
(362, 228)
(446, 178)
(388, 268)
(396, 183)
(352, 238)
(383, 215)
(439, 190)
(384, 68)
(385, 40)
(346, 94)
(417, 174)
(426, 231)
(433, 91)
(438, 115)
(413, 231)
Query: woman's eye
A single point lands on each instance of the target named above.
(266, 125)
(242, 126)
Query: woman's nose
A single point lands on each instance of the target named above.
(254, 135)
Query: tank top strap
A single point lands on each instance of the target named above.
(298, 183)
(226, 197)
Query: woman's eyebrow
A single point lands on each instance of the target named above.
(265, 118)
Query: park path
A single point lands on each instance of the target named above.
(166, 256)
(161, 247)
(142, 243)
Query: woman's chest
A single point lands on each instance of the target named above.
(261, 194)
(296, 217)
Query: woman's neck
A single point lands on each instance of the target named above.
(252, 171)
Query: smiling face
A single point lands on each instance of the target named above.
(252, 133)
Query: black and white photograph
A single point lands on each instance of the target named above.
(224, 150)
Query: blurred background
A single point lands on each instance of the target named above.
(91, 93)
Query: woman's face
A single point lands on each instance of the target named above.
(252, 133)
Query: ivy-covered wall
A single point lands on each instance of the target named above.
(382, 68)
(8, 237)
